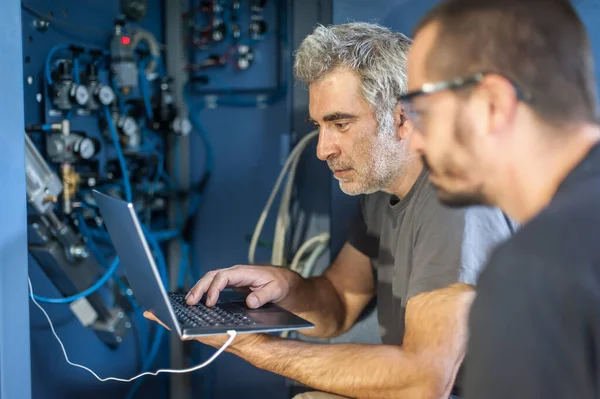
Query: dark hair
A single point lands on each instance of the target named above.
(540, 45)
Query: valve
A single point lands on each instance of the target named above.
(100, 94)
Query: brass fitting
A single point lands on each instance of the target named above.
(71, 181)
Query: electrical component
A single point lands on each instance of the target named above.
(123, 66)
(245, 57)
(257, 27)
(257, 5)
(43, 185)
(134, 9)
(219, 30)
(66, 91)
(165, 113)
(100, 94)
(236, 30)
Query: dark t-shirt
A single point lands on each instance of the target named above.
(417, 245)
(535, 324)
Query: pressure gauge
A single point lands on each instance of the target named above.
(81, 94)
(128, 126)
(106, 95)
(181, 126)
(86, 148)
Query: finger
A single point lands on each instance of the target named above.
(218, 284)
(237, 276)
(151, 316)
(271, 292)
(195, 294)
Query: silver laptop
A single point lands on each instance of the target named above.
(230, 312)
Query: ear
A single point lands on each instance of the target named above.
(403, 125)
(502, 102)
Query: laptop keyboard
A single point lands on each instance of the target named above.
(201, 315)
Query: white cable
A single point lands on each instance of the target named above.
(283, 215)
(142, 34)
(231, 333)
(312, 259)
(263, 217)
(321, 238)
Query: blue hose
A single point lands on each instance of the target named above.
(120, 101)
(83, 294)
(165, 235)
(115, 139)
(152, 240)
(76, 70)
(47, 67)
(144, 90)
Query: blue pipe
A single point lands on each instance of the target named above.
(120, 101)
(83, 294)
(123, 165)
(85, 231)
(47, 67)
(144, 90)
(165, 235)
(76, 70)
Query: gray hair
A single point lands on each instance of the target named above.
(374, 52)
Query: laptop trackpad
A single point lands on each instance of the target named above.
(234, 307)
(229, 295)
(242, 308)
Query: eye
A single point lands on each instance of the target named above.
(341, 125)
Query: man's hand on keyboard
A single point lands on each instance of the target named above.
(216, 341)
(267, 283)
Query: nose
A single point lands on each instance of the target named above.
(326, 146)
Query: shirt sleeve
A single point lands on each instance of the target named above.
(359, 236)
(529, 337)
(452, 245)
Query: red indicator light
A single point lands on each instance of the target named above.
(125, 40)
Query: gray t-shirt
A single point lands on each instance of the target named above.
(418, 245)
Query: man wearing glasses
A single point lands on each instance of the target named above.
(419, 258)
(504, 98)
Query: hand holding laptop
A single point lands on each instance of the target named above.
(216, 341)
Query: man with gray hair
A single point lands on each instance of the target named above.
(420, 259)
